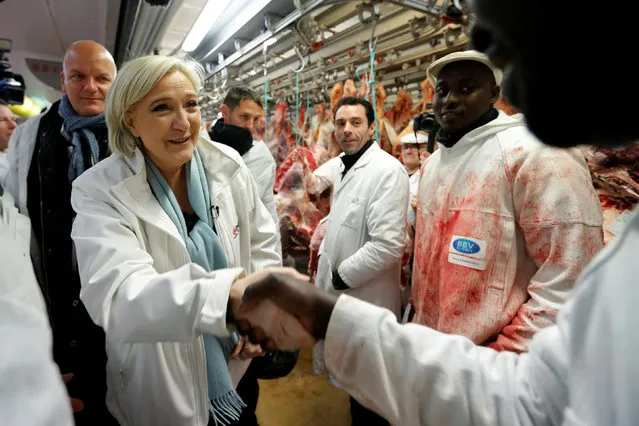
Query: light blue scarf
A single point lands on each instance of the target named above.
(206, 250)
(79, 130)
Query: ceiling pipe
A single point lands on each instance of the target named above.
(256, 44)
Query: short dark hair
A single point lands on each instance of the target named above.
(235, 95)
(352, 100)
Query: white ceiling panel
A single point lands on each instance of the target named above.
(44, 29)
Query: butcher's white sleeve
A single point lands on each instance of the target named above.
(32, 392)
(604, 373)
(386, 225)
(415, 376)
(324, 176)
(124, 293)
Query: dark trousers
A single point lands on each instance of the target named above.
(362, 416)
(249, 391)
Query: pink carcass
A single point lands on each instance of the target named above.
(615, 175)
(299, 216)
(279, 136)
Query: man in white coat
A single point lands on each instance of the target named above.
(413, 145)
(581, 371)
(505, 225)
(241, 110)
(364, 243)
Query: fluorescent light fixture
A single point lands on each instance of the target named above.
(252, 8)
(208, 17)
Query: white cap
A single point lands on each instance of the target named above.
(469, 55)
(410, 138)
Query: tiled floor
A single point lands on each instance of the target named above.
(302, 399)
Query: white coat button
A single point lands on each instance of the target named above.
(75, 303)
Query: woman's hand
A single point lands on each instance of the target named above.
(247, 350)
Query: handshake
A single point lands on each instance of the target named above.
(279, 309)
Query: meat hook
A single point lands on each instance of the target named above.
(302, 61)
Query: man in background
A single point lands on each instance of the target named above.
(7, 126)
(413, 147)
(241, 111)
(505, 225)
(46, 154)
(362, 251)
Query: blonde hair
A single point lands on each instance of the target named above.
(132, 83)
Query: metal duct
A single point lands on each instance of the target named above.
(148, 26)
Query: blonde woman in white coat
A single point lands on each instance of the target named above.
(164, 228)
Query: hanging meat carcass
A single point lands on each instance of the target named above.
(387, 134)
(301, 155)
(303, 127)
(349, 88)
(336, 94)
(258, 130)
(615, 174)
(280, 137)
(428, 91)
(363, 88)
(321, 128)
(401, 113)
(298, 214)
(320, 154)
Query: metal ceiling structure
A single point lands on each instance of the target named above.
(258, 40)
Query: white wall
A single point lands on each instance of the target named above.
(17, 59)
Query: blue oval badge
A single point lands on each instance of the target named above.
(463, 245)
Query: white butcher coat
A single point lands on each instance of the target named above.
(364, 240)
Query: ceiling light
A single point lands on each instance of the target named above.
(208, 17)
(253, 7)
